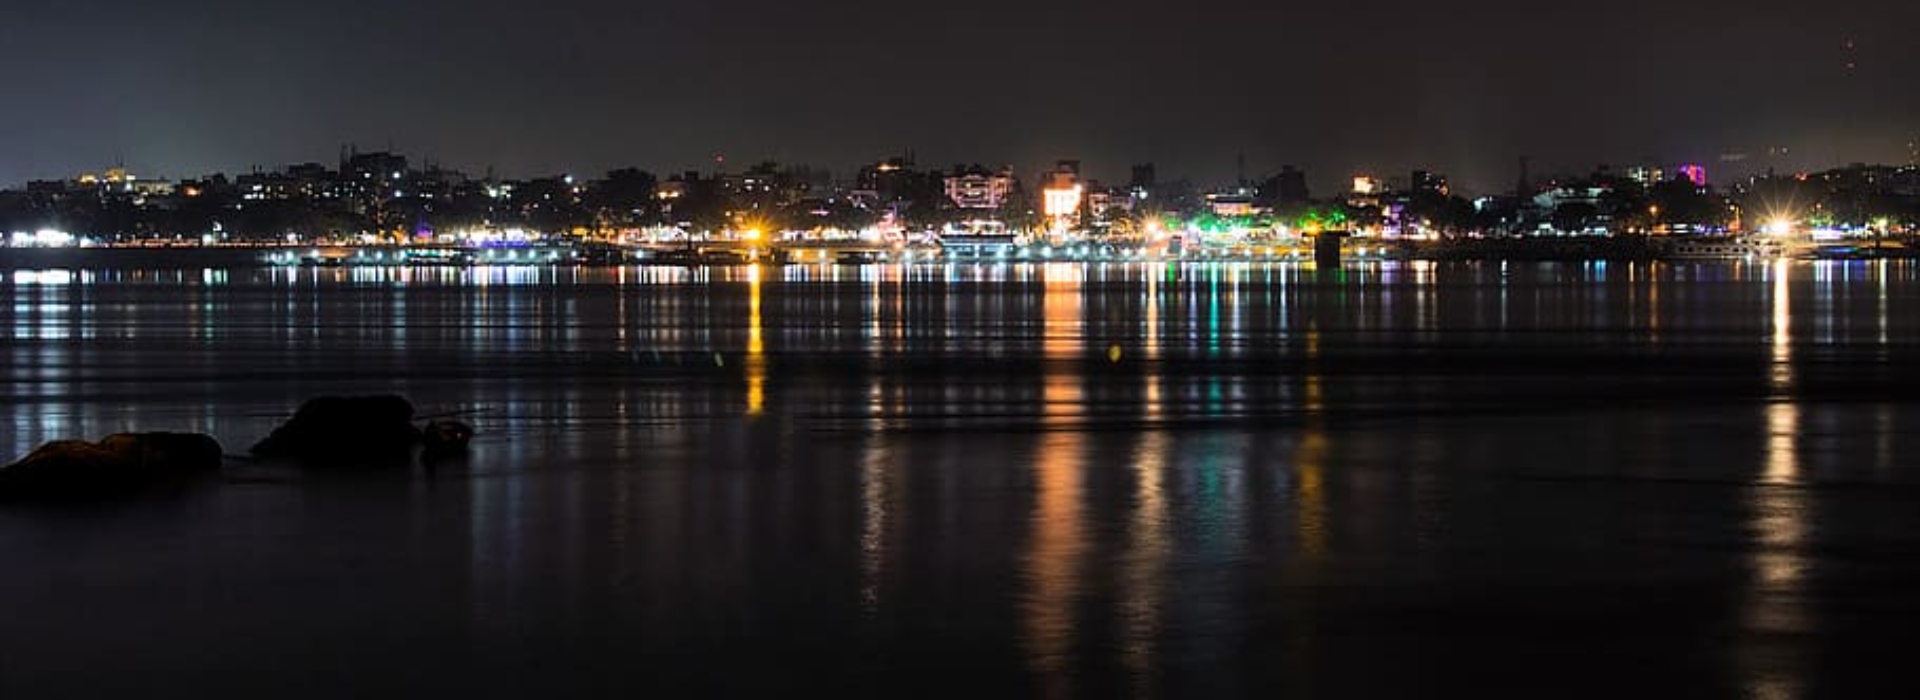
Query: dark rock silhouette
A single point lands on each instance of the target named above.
(445, 438)
(345, 430)
(119, 465)
(168, 453)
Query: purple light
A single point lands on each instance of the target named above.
(1695, 173)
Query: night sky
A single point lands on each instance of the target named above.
(531, 88)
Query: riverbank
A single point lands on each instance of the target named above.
(1574, 249)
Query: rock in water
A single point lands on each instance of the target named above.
(360, 429)
(119, 465)
(446, 438)
(170, 453)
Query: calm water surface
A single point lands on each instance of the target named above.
(1053, 480)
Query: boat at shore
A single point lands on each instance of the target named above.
(1866, 251)
(1718, 248)
(978, 240)
(701, 257)
(444, 256)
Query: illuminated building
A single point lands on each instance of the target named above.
(1368, 185)
(1693, 172)
(1106, 203)
(1062, 202)
(894, 186)
(1237, 203)
(977, 188)
(676, 187)
(1062, 193)
(144, 190)
(1646, 176)
(886, 177)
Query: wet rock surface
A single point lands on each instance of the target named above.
(445, 438)
(118, 465)
(344, 430)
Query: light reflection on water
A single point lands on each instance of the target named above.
(1781, 513)
(756, 348)
(1150, 549)
(1055, 557)
(1055, 560)
(1187, 477)
(876, 492)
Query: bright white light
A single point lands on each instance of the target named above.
(44, 277)
(44, 238)
(1061, 202)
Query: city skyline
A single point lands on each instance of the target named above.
(590, 86)
(1240, 172)
(384, 195)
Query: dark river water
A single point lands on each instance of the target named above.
(1411, 480)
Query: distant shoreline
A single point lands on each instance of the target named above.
(1459, 250)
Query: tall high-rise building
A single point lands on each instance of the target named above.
(1143, 177)
(1287, 187)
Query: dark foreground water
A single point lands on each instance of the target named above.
(1103, 481)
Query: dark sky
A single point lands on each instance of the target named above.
(192, 86)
